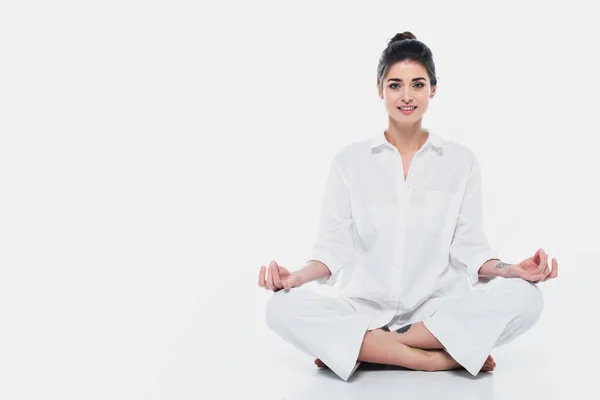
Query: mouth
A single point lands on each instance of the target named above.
(407, 110)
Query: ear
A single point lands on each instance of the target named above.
(433, 91)
(379, 91)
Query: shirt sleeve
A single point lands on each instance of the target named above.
(469, 248)
(334, 246)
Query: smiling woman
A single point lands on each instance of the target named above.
(401, 222)
(406, 81)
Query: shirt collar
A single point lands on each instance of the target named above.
(433, 140)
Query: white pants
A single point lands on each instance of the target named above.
(468, 327)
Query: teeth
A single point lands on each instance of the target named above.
(407, 108)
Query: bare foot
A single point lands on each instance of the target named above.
(443, 361)
(320, 363)
(489, 364)
(440, 360)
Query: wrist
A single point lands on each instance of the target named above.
(509, 272)
(301, 278)
(494, 267)
(503, 269)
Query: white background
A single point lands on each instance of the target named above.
(153, 155)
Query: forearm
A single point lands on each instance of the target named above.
(493, 267)
(313, 270)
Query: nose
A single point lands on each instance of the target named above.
(406, 96)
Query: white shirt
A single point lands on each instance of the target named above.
(401, 248)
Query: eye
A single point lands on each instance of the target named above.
(395, 85)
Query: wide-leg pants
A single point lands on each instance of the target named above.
(468, 327)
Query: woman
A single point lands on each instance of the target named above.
(402, 218)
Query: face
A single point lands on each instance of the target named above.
(406, 84)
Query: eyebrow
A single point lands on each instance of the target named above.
(400, 80)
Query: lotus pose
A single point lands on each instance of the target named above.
(400, 234)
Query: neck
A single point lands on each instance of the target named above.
(407, 139)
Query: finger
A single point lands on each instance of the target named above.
(543, 262)
(283, 272)
(276, 280)
(261, 276)
(269, 281)
(288, 282)
(554, 272)
(537, 278)
(545, 273)
(537, 256)
(549, 271)
(293, 281)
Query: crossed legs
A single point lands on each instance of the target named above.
(412, 347)
(468, 327)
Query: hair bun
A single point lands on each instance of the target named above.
(402, 36)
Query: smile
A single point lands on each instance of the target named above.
(407, 110)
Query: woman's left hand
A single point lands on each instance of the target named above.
(534, 269)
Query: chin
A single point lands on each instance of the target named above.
(404, 118)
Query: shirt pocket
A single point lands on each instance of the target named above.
(440, 210)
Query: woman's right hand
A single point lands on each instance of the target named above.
(278, 278)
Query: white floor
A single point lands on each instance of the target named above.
(242, 359)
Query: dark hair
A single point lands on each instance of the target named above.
(405, 46)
